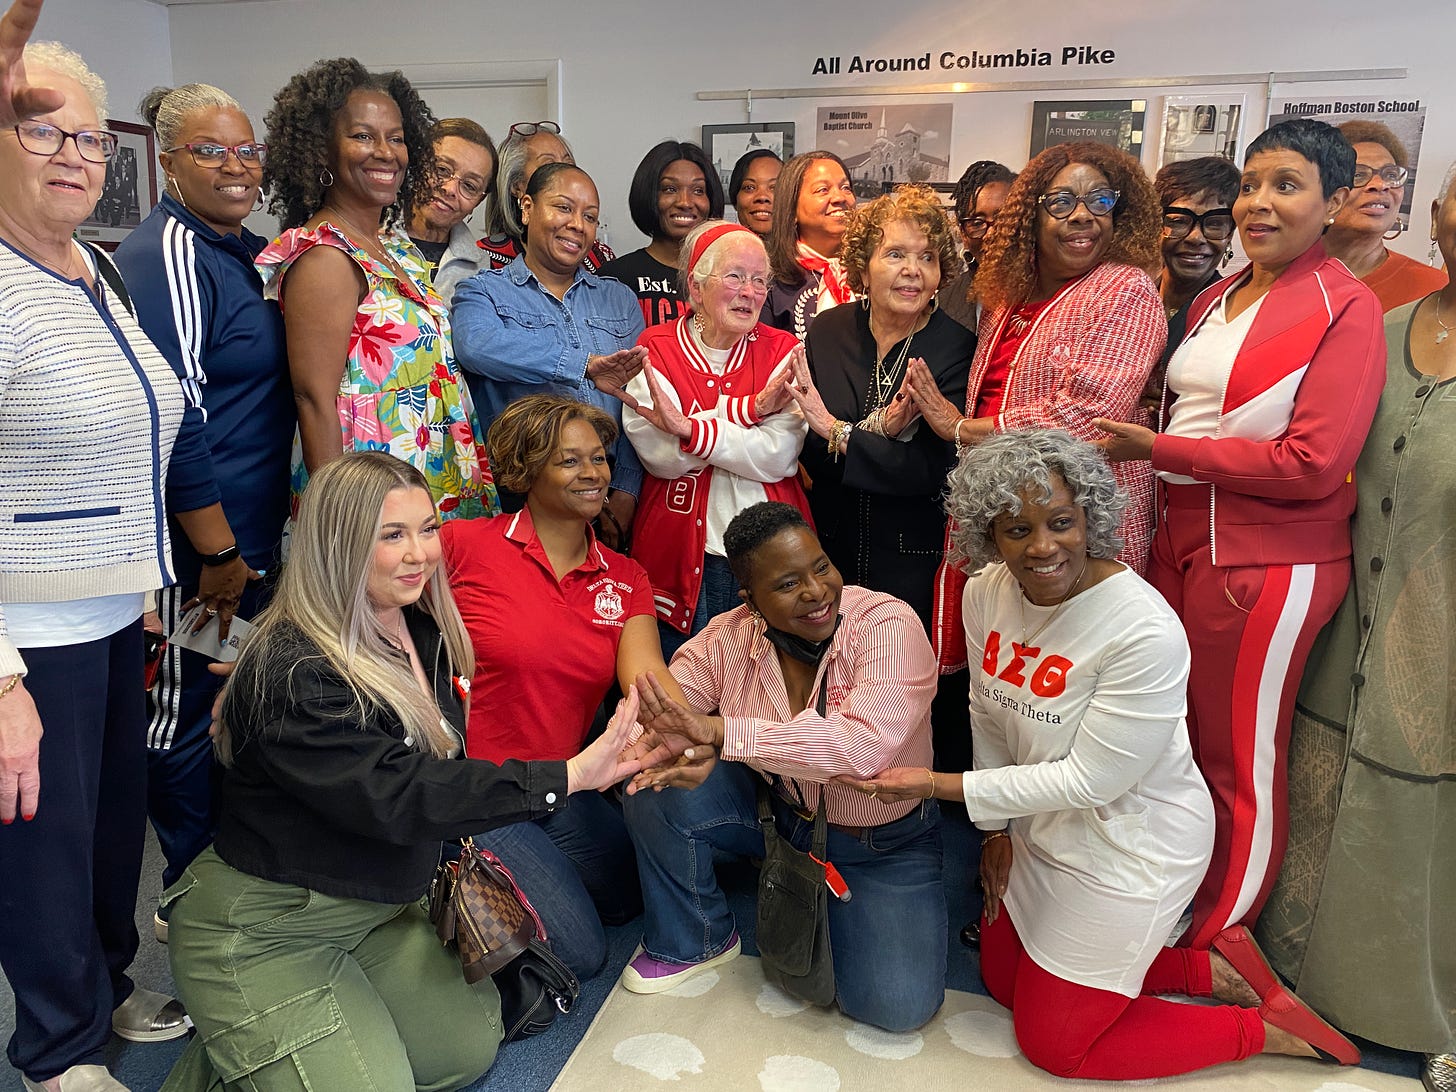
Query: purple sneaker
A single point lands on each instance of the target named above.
(647, 975)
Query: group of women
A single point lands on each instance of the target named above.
(769, 413)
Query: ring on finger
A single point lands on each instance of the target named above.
(210, 611)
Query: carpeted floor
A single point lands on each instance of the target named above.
(728, 1028)
(532, 1065)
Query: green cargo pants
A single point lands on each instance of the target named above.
(293, 990)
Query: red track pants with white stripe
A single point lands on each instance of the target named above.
(1250, 630)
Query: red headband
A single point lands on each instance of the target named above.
(708, 238)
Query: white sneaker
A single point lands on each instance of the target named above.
(81, 1078)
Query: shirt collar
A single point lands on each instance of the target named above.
(522, 530)
(520, 273)
(248, 246)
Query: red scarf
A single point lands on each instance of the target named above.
(830, 273)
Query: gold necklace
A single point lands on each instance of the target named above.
(884, 381)
(379, 253)
(1025, 640)
(68, 272)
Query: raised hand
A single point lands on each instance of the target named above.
(776, 394)
(901, 410)
(666, 717)
(601, 762)
(663, 414)
(939, 413)
(18, 99)
(806, 395)
(611, 372)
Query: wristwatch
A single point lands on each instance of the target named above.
(222, 557)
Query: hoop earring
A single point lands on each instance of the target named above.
(172, 181)
(321, 181)
(258, 202)
(1393, 233)
(864, 301)
(1228, 256)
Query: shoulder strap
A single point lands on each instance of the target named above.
(112, 276)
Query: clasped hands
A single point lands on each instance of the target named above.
(678, 748)
(666, 416)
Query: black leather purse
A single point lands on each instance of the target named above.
(535, 988)
(793, 906)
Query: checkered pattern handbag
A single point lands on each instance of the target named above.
(476, 906)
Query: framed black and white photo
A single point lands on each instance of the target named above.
(725, 144)
(130, 189)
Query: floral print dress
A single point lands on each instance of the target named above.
(401, 390)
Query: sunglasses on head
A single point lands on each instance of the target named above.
(531, 128)
(1216, 224)
(1060, 204)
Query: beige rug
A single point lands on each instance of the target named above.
(729, 1029)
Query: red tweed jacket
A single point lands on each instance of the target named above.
(1087, 355)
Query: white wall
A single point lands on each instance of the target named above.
(631, 68)
(125, 42)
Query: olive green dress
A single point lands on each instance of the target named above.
(1363, 918)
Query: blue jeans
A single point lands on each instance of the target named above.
(716, 594)
(578, 868)
(888, 940)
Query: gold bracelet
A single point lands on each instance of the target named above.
(11, 685)
(992, 835)
(930, 774)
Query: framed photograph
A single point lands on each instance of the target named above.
(726, 143)
(885, 144)
(1118, 122)
(130, 190)
(1195, 126)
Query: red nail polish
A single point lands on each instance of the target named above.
(29, 817)
(7, 822)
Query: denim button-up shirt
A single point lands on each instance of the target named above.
(513, 338)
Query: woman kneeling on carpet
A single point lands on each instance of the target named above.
(1097, 826)
(807, 680)
(298, 939)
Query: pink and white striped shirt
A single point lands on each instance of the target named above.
(880, 676)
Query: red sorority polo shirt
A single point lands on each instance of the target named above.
(545, 652)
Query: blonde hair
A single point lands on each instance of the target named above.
(66, 61)
(322, 596)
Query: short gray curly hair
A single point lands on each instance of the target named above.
(66, 61)
(991, 477)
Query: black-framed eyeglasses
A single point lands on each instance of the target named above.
(43, 138)
(976, 226)
(1216, 224)
(531, 128)
(206, 153)
(469, 186)
(1060, 204)
(1390, 174)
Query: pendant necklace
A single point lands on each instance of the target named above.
(884, 378)
(1445, 330)
(1026, 642)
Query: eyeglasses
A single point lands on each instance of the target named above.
(40, 138)
(735, 281)
(1390, 174)
(468, 186)
(976, 226)
(531, 128)
(207, 154)
(1216, 224)
(1060, 204)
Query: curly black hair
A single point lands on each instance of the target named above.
(301, 126)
